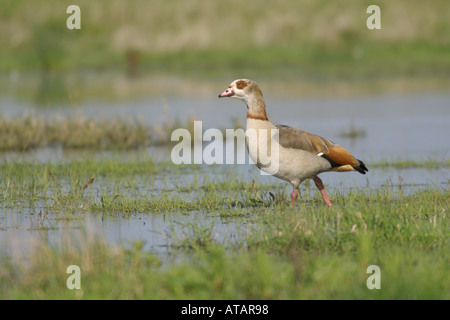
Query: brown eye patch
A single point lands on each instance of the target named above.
(241, 84)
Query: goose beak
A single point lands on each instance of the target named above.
(227, 93)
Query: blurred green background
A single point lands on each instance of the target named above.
(144, 47)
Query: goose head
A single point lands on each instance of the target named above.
(248, 91)
(242, 89)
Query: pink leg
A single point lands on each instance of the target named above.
(294, 195)
(321, 188)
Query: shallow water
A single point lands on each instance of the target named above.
(407, 127)
(396, 127)
(160, 231)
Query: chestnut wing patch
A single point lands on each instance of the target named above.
(337, 156)
(341, 156)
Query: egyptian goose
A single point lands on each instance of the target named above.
(301, 155)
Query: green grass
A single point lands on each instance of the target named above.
(314, 253)
(405, 163)
(77, 131)
(120, 185)
(311, 252)
(318, 47)
(218, 274)
(310, 62)
(179, 34)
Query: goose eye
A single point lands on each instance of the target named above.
(241, 84)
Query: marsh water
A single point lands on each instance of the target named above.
(388, 128)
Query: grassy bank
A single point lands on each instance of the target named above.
(320, 45)
(134, 180)
(214, 273)
(77, 131)
(36, 36)
(312, 252)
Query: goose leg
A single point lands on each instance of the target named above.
(321, 188)
(294, 196)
